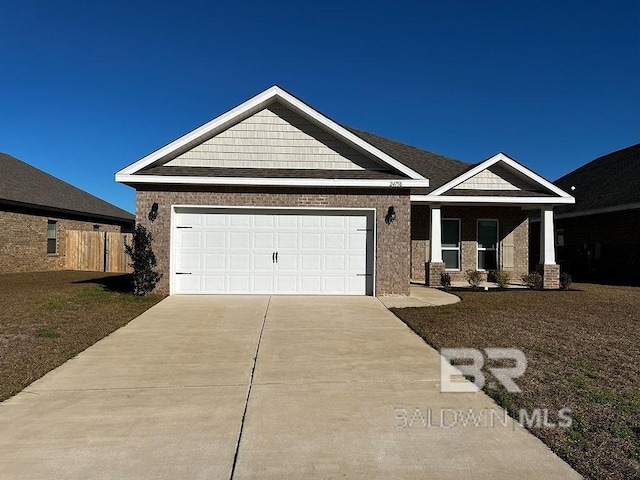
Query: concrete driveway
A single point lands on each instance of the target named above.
(339, 388)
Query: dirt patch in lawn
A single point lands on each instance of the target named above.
(583, 353)
(48, 317)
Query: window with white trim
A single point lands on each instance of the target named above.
(451, 243)
(52, 236)
(487, 244)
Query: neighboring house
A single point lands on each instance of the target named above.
(598, 238)
(275, 197)
(36, 209)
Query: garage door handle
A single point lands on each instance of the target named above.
(183, 273)
(276, 257)
(273, 257)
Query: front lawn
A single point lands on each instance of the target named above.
(48, 317)
(583, 352)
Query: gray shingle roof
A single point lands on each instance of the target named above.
(437, 168)
(24, 185)
(607, 181)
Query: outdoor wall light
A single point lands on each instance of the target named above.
(153, 213)
(390, 216)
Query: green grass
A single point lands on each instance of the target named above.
(582, 351)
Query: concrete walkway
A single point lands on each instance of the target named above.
(339, 388)
(420, 296)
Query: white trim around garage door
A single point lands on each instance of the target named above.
(369, 212)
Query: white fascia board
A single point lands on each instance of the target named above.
(285, 182)
(255, 104)
(492, 200)
(501, 157)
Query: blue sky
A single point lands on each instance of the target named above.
(87, 88)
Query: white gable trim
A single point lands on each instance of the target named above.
(286, 182)
(255, 104)
(500, 157)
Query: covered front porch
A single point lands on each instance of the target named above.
(455, 238)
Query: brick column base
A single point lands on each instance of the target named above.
(550, 276)
(433, 271)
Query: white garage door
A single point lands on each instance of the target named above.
(286, 252)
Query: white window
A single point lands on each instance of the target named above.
(52, 236)
(451, 243)
(487, 244)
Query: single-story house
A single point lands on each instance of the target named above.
(598, 237)
(36, 209)
(275, 197)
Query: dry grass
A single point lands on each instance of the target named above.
(583, 352)
(47, 318)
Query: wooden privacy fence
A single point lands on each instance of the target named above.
(97, 251)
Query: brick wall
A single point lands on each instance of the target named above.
(23, 241)
(510, 219)
(393, 241)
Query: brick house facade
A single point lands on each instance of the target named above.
(275, 179)
(598, 238)
(30, 200)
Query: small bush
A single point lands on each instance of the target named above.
(143, 261)
(533, 280)
(565, 281)
(474, 277)
(445, 280)
(502, 278)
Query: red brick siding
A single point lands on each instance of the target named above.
(23, 241)
(469, 216)
(393, 241)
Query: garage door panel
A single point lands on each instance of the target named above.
(239, 283)
(215, 239)
(334, 241)
(335, 284)
(233, 252)
(240, 261)
(310, 263)
(190, 261)
(215, 283)
(287, 221)
(240, 240)
(264, 240)
(239, 220)
(190, 238)
(263, 283)
(264, 221)
(287, 240)
(311, 241)
(334, 262)
(189, 283)
(215, 261)
(286, 284)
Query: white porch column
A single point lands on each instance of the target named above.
(547, 237)
(436, 235)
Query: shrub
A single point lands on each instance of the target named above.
(502, 278)
(445, 280)
(533, 280)
(474, 277)
(565, 281)
(143, 261)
